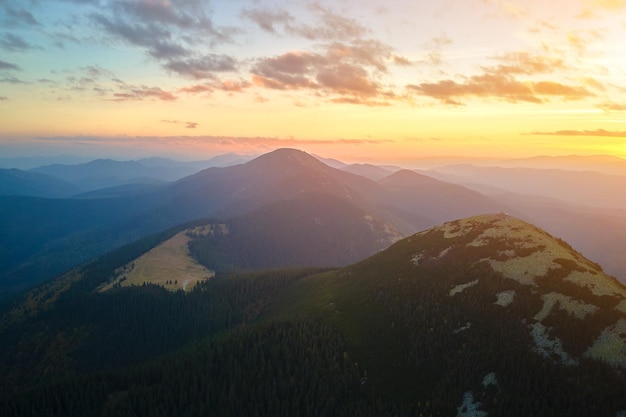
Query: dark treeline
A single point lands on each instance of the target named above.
(385, 337)
(297, 368)
(90, 331)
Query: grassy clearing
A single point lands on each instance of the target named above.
(168, 265)
(611, 345)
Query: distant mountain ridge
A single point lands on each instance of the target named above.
(106, 173)
(578, 187)
(17, 182)
(106, 219)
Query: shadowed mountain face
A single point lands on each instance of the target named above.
(18, 182)
(474, 301)
(434, 199)
(486, 315)
(307, 230)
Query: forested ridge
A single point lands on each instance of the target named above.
(388, 336)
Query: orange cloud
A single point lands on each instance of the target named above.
(597, 132)
(551, 88)
(142, 92)
(609, 4)
(508, 8)
(349, 71)
(502, 82)
(233, 85)
(525, 63)
(196, 89)
(497, 86)
(614, 107)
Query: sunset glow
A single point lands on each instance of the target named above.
(359, 81)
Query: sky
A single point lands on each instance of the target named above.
(384, 81)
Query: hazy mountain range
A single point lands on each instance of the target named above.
(42, 237)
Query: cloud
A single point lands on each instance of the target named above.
(291, 70)
(508, 8)
(608, 4)
(133, 93)
(95, 71)
(401, 61)
(18, 16)
(188, 125)
(516, 63)
(330, 26)
(156, 39)
(502, 82)
(207, 142)
(347, 79)
(202, 67)
(500, 87)
(597, 132)
(235, 86)
(436, 44)
(360, 101)
(580, 40)
(268, 19)
(180, 35)
(88, 78)
(196, 89)
(12, 80)
(349, 70)
(8, 66)
(614, 106)
(231, 86)
(14, 43)
(327, 26)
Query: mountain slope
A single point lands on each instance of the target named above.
(310, 230)
(373, 172)
(434, 199)
(487, 313)
(480, 299)
(18, 182)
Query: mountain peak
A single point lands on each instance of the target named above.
(408, 178)
(288, 157)
(525, 253)
(569, 309)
